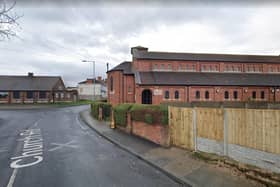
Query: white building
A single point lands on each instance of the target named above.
(86, 89)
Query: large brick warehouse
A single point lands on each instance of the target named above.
(157, 77)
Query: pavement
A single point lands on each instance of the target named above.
(176, 163)
(52, 147)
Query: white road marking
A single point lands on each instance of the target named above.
(78, 121)
(12, 178)
(59, 145)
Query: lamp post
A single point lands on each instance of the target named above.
(93, 73)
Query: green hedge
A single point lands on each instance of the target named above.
(106, 110)
(120, 113)
(151, 114)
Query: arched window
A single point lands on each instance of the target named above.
(111, 83)
(206, 95)
(262, 94)
(166, 95)
(254, 94)
(176, 94)
(226, 95)
(197, 95)
(235, 95)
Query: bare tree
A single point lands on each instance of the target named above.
(8, 20)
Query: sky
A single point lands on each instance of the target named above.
(54, 38)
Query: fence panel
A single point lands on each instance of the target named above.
(254, 128)
(181, 126)
(210, 123)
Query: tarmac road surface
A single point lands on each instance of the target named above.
(52, 147)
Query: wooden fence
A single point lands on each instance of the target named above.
(253, 128)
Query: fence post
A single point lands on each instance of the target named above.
(225, 133)
(194, 129)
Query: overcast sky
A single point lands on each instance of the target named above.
(54, 38)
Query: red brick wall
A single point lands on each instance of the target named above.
(156, 133)
(149, 65)
(123, 88)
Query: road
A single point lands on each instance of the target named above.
(54, 148)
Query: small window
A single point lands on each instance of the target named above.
(42, 95)
(16, 94)
(254, 94)
(111, 83)
(206, 95)
(56, 95)
(226, 95)
(62, 95)
(197, 94)
(29, 95)
(166, 95)
(180, 67)
(169, 67)
(235, 95)
(193, 67)
(176, 94)
(162, 66)
(3, 95)
(155, 67)
(129, 89)
(262, 94)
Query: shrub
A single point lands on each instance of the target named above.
(150, 113)
(106, 110)
(120, 113)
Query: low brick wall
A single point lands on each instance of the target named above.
(153, 132)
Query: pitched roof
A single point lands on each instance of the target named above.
(19, 83)
(124, 66)
(96, 81)
(206, 57)
(203, 79)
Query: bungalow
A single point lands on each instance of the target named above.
(34, 89)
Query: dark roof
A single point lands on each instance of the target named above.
(206, 57)
(216, 79)
(28, 83)
(124, 66)
(96, 81)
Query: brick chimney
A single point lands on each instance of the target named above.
(30, 74)
(138, 48)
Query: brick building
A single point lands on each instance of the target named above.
(34, 89)
(93, 89)
(157, 77)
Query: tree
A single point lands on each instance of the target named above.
(8, 20)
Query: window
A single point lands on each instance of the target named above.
(226, 95)
(162, 66)
(176, 94)
(111, 83)
(56, 95)
(254, 94)
(262, 95)
(68, 95)
(235, 95)
(180, 67)
(206, 95)
(197, 95)
(166, 95)
(193, 67)
(62, 95)
(129, 89)
(16, 94)
(29, 95)
(42, 95)
(169, 67)
(155, 67)
(3, 95)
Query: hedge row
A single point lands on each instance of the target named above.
(106, 110)
(120, 113)
(150, 114)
